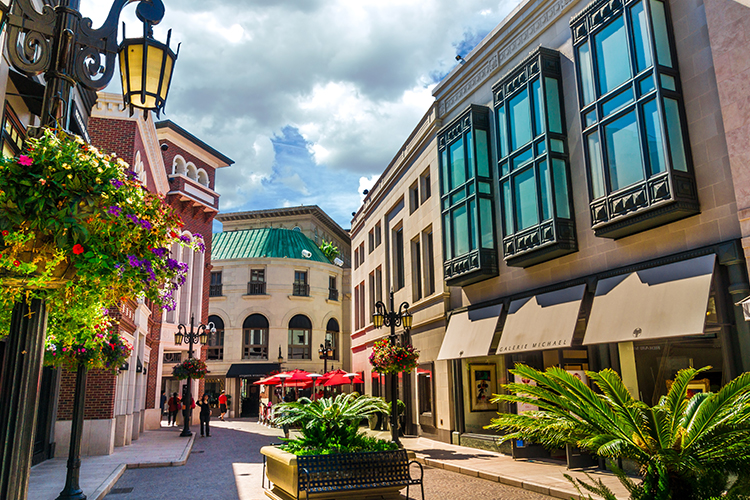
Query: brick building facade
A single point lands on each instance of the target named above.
(181, 169)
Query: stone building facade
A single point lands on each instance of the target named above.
(590, 203)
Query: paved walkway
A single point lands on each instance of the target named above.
(158, 448)
(228, 466)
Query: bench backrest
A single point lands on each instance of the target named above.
(345, 471)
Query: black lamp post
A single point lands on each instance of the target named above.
(191, 337)
(62, 44)
(382, 317)
(325, 353)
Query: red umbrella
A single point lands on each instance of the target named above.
(273, 380)
(297, 376)
(343, 378)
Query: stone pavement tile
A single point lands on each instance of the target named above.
(159, 448)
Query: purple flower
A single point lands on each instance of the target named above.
(201, 247)
(114, 210)
(145, 225)
(116, 183)
(159, 252)
(185, 238)
(105, 311)
(132, 175)
(198, 235)
(172, 264)
(132, 218)
(133, 261)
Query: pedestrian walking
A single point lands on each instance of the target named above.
(173, 405)
(162, 402)
(205, 415)
(222, 405)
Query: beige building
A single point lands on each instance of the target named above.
(275, 299)
(588, 204)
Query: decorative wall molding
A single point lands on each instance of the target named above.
(506, 53)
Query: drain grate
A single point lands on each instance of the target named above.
(119, 491)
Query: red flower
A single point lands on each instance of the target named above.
(16, 263)
(5, 233)
(77, 249)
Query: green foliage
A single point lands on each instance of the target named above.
(192, 368)
(389, 358)
(358, 443)
(329, 250)
(688, 448)
(329, 425)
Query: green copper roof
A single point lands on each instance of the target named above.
(264, 243)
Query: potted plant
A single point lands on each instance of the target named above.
(689, 447)
(326, 426)
(192, 368)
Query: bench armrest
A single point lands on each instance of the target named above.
(421, 469)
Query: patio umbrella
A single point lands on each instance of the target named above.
(343, 378)
(297, 376)
(272, 380)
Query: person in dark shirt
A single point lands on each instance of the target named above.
(205, 415)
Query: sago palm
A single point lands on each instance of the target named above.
(328, 423)
(688, 448)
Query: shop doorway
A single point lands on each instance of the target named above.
(249, 398)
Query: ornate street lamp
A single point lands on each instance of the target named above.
(382, 317)
(191, 337)
(325, 353)
(62, 44)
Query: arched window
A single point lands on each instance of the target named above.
(300, 331)
(202, 177)
(255, 337)
(192, 172)
(178, 166)
(216, 341)
(332, 335)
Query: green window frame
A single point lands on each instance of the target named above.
(632, 116)
(466, 197)
(536, 198)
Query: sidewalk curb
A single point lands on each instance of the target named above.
(181, 461)
(489, 476)
(108, 483)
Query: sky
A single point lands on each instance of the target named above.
(310, 98)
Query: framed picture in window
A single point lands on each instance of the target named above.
(695, 387)
(483, 381)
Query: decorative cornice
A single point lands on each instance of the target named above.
(505, 53)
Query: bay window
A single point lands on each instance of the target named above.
(636, 147)
(535, 192)
(466, 197)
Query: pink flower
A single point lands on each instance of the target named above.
(25, 161)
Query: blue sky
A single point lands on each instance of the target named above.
(312, 98)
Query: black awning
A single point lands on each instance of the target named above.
(31, 91)
(251, 369)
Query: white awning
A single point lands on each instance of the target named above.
(545, 321)
(469, 334)
(660, 302)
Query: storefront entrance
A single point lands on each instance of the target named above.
(250, 398)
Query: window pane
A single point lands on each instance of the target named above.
(595, 165)
(446, 175)
(470, 157)
(483, 161)
(485, 218)
(523, 158)
(503, 128)
(447, 236)
(553, 105)
(612, 56)
(544, 190)
(587, 73)
(641, 40)
(668, 82)
(526, 201)
(520, 120)
(536, 92)
(457, 196)
(623, 152)
(472, 224)
(659, 16)
(460, 230)
(617, 102)
(646, 85)
(561, 189)
(507, 208)
(458, 167)
(674, 131)
(655, 143)
(557, 145)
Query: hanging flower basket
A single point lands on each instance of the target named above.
(190, 368)
(387, 358)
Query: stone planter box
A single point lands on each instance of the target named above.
(281, 470)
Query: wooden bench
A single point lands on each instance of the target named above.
(350, 472)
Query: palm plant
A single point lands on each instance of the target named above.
(329, 424)
(688, 448)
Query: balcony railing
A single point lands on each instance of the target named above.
(256, 288)
(333, 294)
(301, 289)
(215, 290)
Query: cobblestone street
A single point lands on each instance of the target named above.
(228, 466)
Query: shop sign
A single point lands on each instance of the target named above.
(532, 346)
